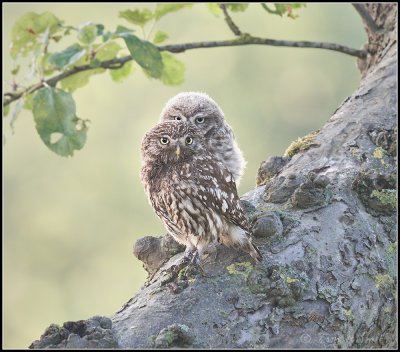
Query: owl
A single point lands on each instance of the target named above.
(201, 111)
(192, 192)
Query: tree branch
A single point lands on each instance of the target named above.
(245, 39)
(366, 17)
(234, 28)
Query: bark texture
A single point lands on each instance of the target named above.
(325, 220)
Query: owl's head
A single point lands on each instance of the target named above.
(196, 108)
(172, 142)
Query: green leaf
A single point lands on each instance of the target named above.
(122, 73)
(162, 9)
(28, 102)
(56, 38)
(78, 80)
(145, 54)
(15, 70)
(107, 52)
(173, 73)
(159, 37)
(235, 7)
(100, 29)
(54, 112)
(6, 110)
(214, 8)
(95, 63)
(282, 8)
(43, 61)
(67, 57)
(87, 34)
(123, 29)
(137, 17)
(27, 30)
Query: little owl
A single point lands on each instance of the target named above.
(201, 111)
(192, 192)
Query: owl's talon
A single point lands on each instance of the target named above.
(195, 263)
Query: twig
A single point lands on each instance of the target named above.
(234, 28)
(366, 17)
(268, 9)
(245, 39)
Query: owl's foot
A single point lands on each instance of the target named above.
(176, 268)
(195, 263)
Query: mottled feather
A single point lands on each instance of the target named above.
(193, 194)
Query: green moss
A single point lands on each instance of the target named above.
(387, 197)
(301, 144)
(233, 269)
(170, 336)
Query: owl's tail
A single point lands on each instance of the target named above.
(240, 238)
(252, 249)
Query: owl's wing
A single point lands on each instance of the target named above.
(216, 189)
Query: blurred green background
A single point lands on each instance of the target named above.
(69, 223)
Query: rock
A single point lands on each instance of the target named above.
(175, 335)
(312, 192)
(376, 189)
(270, 168)
(156, 251)
(267, 224)
(279, 190)
(93, 333)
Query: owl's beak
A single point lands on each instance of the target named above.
(178, 150)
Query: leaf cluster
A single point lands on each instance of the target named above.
(95, 50)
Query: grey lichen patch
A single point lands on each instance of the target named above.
(175, 335)
(283, 285)
(301, 144)
(376, 189)
(383, 281)
(391, 258)
(386, 139)
(327, 292)
(387, 199)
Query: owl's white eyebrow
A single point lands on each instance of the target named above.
(200, 114)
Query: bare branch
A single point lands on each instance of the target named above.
(234, 28)
(245, 39)
(366, 17)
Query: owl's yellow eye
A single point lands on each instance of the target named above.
(189, 140)
(200, 119)
(164, 140)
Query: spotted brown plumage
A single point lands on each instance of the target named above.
(191, 191)
(203, 112)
